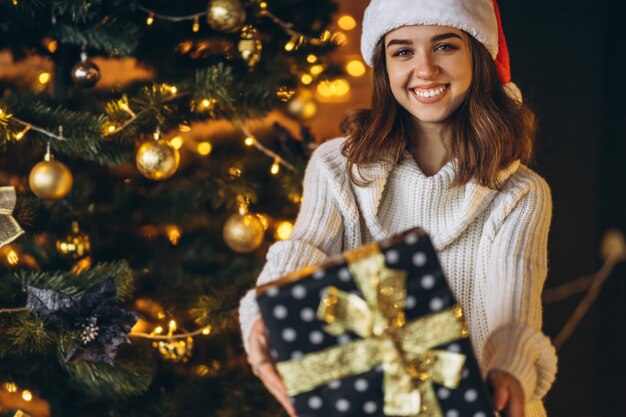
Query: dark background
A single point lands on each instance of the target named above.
(568, 59)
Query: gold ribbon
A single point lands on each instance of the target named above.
(9, 228)
(410, 364)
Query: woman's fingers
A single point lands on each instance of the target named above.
(274, 384)
(508, 395)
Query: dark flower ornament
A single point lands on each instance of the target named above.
(101, 325)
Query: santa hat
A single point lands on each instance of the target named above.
(479, 18)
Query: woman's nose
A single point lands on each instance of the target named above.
(426, 68)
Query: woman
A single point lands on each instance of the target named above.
(444, 148)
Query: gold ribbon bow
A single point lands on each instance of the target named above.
(410, 364)
(9, 228)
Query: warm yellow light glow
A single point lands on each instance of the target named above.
(325, 36)
(289, 46)
(158, 330)
(249, 141)
(306, 79)
(44, 77)
(346, 22)
(177, 142)
(172, 325)
(342, 86)
(263, 5)
(160, 315)
(202, 370)
(206, 330)
(183, 127)
(27, 395)
(204, 148)
(283, 230)
(173, 234)
(311, 59)
(355, 68)
(326, 89)
(340, 38)
(275, 169)
(206, 102)
(196, 24)
(20, 135)
(309, 110)
(110, 128)
(317, 69)
(13, 258)
(53, 46)
(174, 89)
(234, 172)
(263, 219)
(10, 386)
(150, 20)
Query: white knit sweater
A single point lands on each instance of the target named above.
(491, 244)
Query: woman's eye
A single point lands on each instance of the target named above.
(445, 47)
(402, 52)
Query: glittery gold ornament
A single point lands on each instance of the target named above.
(225, 15)
(172, 348)
(250, 46)
(243, 233)
(303, 105)
(76, 244)
(85, 74)
(157, 159)
(50, 179)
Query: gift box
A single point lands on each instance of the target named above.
(374, 332)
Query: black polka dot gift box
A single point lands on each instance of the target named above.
(375, 332)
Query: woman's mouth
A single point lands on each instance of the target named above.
(426, 93)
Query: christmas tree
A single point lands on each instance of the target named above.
(146, 202)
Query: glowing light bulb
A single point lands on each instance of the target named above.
(290, 46)
(196, 24)
(177, 142)
(150, 20)
(275, 169)
(355, 68)
(27, 395)
(311, 59)
(249, 141)
(206, 330)
(346, 22)
(44, 77)
(317, 69)
(306, 79)
(204, 148)
(283, 230)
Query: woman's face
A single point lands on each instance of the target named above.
(430, 70)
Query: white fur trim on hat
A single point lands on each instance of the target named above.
(476, 17)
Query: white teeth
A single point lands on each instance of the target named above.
(430, 93)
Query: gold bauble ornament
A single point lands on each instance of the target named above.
(243, 233)
(225, 15)
(303, 105)
(85, 74)
(157, 159)
(250, 46)
(76, 244)
(50, 179)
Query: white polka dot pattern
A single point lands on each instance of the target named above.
(289, 334)
(334, 384)
(454, 347)
(280, 312)
(427, 281)
(410, 302)
(344, 339)
(443, 393)
(419, 259)
(470, 395)
(465, 373)
(319, 274)
(344, 275)
(315, 402)
(452, 413)
(272, 292)
(435, 304)
(361, 385)
(307, 314)
(370, 407)
(392, 256)
(342, 405)
(316, 337)
(296, 354)
(480, 414)
(411, 239)
(298, 292)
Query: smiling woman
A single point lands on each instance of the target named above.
(443, 147)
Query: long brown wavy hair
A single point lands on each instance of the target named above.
(488, 131)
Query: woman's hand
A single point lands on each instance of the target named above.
(508, 395)
(263, 367)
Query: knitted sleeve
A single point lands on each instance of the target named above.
(516, 271)
(316, 235)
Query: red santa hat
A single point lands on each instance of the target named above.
(479, 18)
